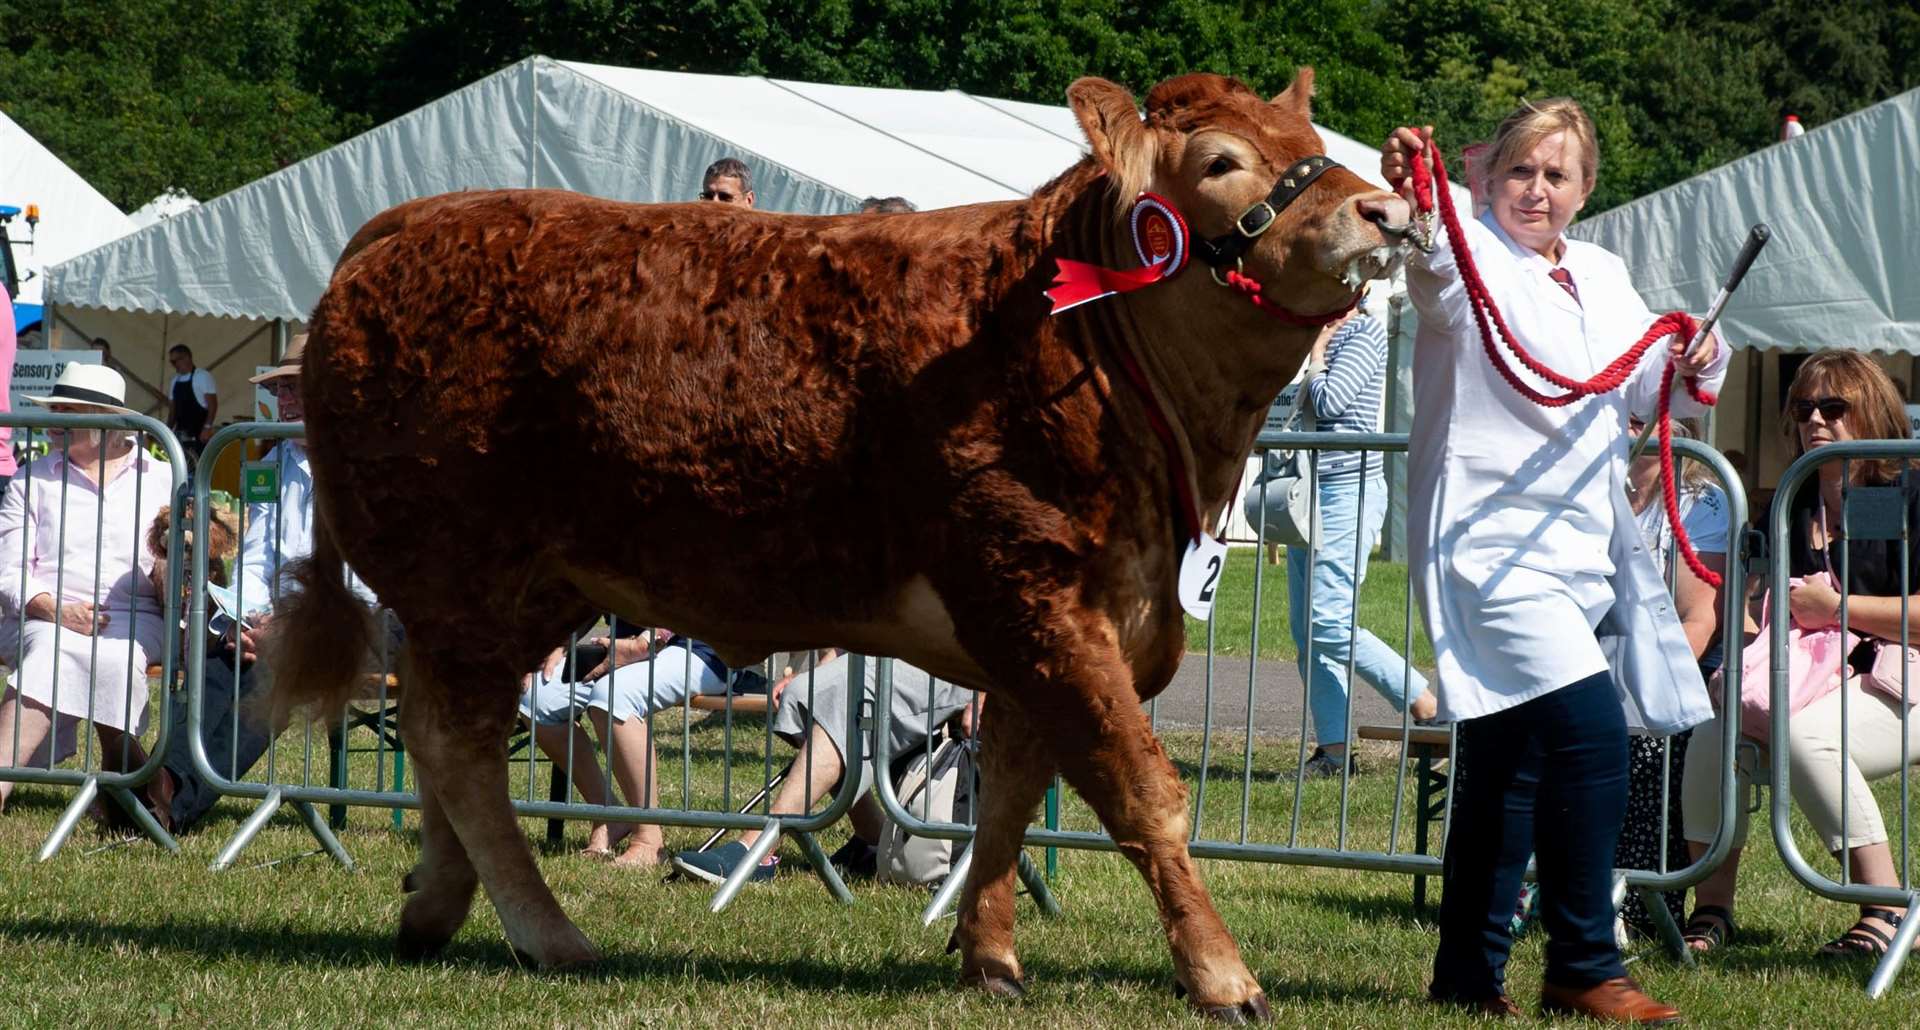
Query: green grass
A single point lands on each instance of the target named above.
(132, 936)
(1384, 607)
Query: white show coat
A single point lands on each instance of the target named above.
(1523, 546)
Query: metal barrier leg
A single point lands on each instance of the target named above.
(62, 829)
(1423, 809)
(956, 879)
(1669, 930)
(824, 866)
(330, 843)
(769, 836)
(143, 818)
(399, 783)
(1037, 886)
(559, 787)
(1896, 955)
(337, 772)
(248, 830)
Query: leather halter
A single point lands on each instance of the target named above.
(1225, 251)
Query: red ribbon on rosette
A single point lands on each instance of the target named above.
(1159, 240)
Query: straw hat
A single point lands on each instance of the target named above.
(96, 386)
(289, 363)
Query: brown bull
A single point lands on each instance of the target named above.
(775, 432)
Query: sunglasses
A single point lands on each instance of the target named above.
(1832, 409)
(723, 196)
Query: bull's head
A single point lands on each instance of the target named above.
(1219, 152)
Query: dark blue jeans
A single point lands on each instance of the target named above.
(1546, 778)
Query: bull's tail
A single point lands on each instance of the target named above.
(322, 635)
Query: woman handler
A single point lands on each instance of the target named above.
(1533, 580)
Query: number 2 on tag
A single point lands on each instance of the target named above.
(1200, 571)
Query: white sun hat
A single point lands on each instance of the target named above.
(96, 386)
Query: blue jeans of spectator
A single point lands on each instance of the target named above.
(1336, 577)
(1547, 777)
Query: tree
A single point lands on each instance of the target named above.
(143, 95)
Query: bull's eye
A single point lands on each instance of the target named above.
(1218, 166)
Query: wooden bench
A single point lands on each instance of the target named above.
(1426, 745)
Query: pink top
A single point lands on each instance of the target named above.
(8, 344)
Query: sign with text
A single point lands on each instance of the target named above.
(1913, 420)
(35, 369)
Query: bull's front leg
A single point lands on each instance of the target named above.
(1015, 766)
(1090, 714)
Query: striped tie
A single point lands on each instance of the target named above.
(1565, 279)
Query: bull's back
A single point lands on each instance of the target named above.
(540, 372)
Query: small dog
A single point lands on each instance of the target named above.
(220, 531)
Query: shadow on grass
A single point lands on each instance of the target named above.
(344, 949)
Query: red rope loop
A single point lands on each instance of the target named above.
(1250, 286)
(1486, 316)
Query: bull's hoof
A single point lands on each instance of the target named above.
(1253, 1010)
(566, 949)
(414, 946)
(408, 884)
(997, 986)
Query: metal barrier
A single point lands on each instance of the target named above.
(1394, 857)
(1868, 512)
(91, 779)
(295, 782)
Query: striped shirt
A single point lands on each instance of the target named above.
(1346, 398)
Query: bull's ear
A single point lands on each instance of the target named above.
(1120, 141)
(1299, 96)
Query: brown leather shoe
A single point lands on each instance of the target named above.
(1618, 1000)
(1499, 1006)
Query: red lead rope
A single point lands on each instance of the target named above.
(1609, 379)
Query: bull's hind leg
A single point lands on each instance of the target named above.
(461, 750)
(440, 887)
(1014, 769)
(1099, 733)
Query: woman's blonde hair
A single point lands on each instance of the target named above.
(1530, 123)
(1874, 408)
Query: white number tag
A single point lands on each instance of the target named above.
(1200, 571)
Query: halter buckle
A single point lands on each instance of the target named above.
(1266, 222)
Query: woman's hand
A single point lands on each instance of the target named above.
(1396, 157)
(1815, 604)
(1693, 361)
(76, 617)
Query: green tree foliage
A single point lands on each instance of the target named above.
(141, 95)
(208, 94)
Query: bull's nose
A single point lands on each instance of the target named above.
(1391, 213)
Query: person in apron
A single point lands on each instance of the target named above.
(195, 402)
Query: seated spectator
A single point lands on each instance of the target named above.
(619, 694)
(1837, 395)
(887, 206)
(85, 618)
(812, 716)
(1659, 763)
(235, 725)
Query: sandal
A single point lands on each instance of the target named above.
(1710, 926)
(1863, 940)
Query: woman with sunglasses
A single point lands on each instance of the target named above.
(1837, 395)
